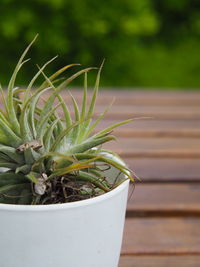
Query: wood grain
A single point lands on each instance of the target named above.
(164, 107)
(137, 97)
(165, 169)
(140, 97)
(156, 147)
(125, 111)
(159, 199)
(154, 128)
(161, 236)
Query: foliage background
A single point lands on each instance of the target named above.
(146, 43)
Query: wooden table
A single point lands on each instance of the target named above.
(163, 215)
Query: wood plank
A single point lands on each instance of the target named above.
(161, 236)
(155, 112)
(158, 199)
(159, 261)
(156, 147)
(124, 108)
(141, 97)
(129, 132)
(165, 169)
(155, 128)
(124, 111)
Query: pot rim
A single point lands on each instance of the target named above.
(70, 205)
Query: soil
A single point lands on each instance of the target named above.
(63, 190)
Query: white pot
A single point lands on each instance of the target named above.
(85, 233)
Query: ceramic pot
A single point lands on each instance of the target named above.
(85, 233)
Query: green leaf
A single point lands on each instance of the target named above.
(92, 127)
(118, 166)
(35, 77)
(11, 111)
(88, 144)
(12, 154)
(75, 132)
(70, 79)
(31, 156)
(86, 124)
(25, 197)
(41, 126)
(61, 136)
(76, 166)
(3, 98)
(32, 177)
(84, 99)
(56, 74)
(16, 194)
(25, 130)
(48, 136)
(32, 110)
(9, 165)
(3, 138)
(94, 96)
(8, 187)
(11, 178)
(64, 107)
(13, 139)
(83, 176)
(110, 128)
(70, 169)
(51, 99)
(81, 156)
(23, 169)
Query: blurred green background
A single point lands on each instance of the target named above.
(146, 43)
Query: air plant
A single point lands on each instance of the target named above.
(52, 159)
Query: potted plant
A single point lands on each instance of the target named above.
(62, 197)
